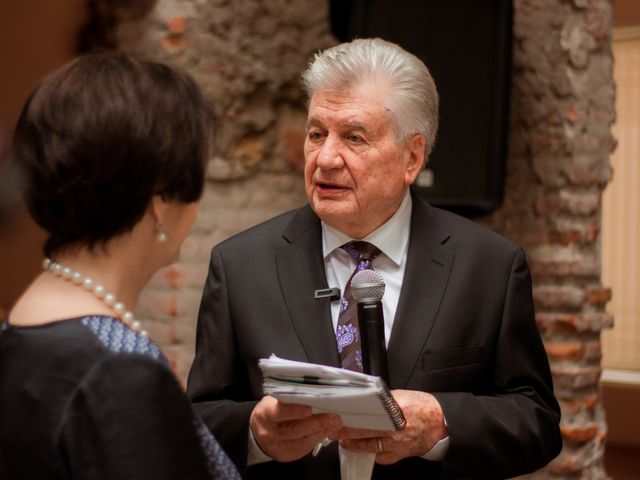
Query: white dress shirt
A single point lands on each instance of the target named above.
(392, 238)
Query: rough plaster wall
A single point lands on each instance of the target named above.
(248, 54)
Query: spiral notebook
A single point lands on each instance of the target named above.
(362, 401)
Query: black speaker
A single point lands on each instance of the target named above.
(466, 44)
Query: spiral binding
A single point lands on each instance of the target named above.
(392, 408)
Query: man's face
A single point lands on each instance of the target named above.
(356, 172)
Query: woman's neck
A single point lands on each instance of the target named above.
(118, 273)
(50, 297)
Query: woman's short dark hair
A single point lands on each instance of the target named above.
(100, 136)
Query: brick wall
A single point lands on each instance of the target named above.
(558, 165)
(248, 54)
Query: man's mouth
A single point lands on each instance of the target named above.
(330, 186)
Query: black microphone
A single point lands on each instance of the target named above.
(367, 288)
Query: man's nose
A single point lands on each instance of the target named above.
(330, 154)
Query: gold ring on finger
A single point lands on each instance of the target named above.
(380, 446)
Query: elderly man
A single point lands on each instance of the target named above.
(466, 362)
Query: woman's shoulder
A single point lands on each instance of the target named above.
(117, 337)
(49, 344)
(70, 348)
(97, 333)
(131, 374)
(131, 363)
(130, 411)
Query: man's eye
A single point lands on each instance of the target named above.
(355, 138)
(315, 135)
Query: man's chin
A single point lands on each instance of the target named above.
(333, 212)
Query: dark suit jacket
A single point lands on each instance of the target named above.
(464, 330)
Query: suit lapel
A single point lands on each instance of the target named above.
(425, 280)
(301, 272)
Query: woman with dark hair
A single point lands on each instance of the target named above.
(113, 150)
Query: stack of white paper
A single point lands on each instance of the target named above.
(362, 401)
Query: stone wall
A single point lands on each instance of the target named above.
(248, 54)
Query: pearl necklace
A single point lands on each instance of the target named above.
(98, 290)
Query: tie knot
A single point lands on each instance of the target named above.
(361, 251)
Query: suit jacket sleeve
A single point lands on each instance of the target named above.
(512, 427)
(217, 381)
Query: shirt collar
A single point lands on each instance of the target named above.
(392, 237)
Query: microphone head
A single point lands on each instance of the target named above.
(367, 286)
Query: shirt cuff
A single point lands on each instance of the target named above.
(438, 451)
(255, 454)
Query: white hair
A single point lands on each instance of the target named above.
(413, 101)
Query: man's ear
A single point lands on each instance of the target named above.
(415, 146)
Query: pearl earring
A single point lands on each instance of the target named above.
(161, 236)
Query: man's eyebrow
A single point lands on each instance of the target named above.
(349, 125)
(356, 126)
(313, 121)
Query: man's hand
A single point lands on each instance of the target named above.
(287, 432)
(425, 427)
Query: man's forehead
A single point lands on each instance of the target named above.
(346, 109)
(362, 97)
(351, 122)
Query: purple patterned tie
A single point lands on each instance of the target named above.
(347, 333)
